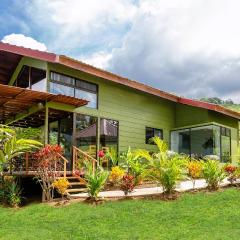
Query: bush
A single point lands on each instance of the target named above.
(232, 173)
(167, 173)
(127, 184)
(10, 191)
(213, 173)
(61, 185)
(116, 175)
(96, 180)
(194, 168)
(135, 165)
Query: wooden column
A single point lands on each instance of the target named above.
(46, 125)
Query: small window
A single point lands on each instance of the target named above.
(153, 132)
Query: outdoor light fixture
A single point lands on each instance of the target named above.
(40, 105)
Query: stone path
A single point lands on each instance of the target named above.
(181, 187)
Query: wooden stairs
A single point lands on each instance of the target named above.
(77, 185)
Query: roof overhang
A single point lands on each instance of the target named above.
(105, 75)
(15, 100)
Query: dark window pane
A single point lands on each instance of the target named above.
(61, 89)
(91, 97)
(153, 132)
(86, 86)
(158, 133)
(86, 133)
(149, 134)
(62, 78)
(108, 137)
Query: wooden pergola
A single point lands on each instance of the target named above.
(17, 104)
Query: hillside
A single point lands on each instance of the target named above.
(225, 103)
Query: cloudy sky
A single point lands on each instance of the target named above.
(188, 47)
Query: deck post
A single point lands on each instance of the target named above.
(27, 161)
(46, 125)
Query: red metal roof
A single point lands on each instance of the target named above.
(75, 64)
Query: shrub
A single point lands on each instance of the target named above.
(164, 167)
(232, 173)
(127, 184)
(96, 180)
(167, 173)
(61, 185)
(194, 168)
(48, 167)
(10, 191)
(112, 155)
(116, 175)
(13, 194)
(213, 173)
(135, 165)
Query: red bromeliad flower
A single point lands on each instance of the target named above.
(230, 169)
(101, 154)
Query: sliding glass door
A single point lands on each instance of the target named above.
(203, 141)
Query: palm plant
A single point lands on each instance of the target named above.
(96, 180)
(11, 147)
(164, 168)
(213, 173)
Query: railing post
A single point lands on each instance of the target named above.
(65, 170)
(74, 159)
(27, 162)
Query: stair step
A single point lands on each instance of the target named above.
(73, 190)
(76, 183)
(72, 177)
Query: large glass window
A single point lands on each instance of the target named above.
(32, 78)
(108, 134)
(86, 133)
(61, 84)
(61, 89)
(203, 141)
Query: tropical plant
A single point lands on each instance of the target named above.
(11, 147)
(112, 155)
(164, 168)
(127, 184)
(116, 175)
(96, 179)
(48, 164)
(61, 185)
(194, 168)
(135, 165)
(232, 173)
(213, 173)
(13, 193)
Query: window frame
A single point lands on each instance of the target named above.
(153, 129)
(76, 87)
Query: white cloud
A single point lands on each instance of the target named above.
(183, 46)
(99, 59)
(80, 24)
(22, 40)
(189, 47)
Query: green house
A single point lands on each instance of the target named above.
(75, 104)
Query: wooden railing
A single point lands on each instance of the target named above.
(65, 162)
(79, 159)
(26, 165)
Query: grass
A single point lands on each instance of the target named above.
(193, 216)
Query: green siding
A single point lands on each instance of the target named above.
(136, 110)
(133, 110)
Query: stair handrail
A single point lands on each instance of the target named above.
(65, 161)
(75, 149)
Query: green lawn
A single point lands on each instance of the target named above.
(194, 216)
